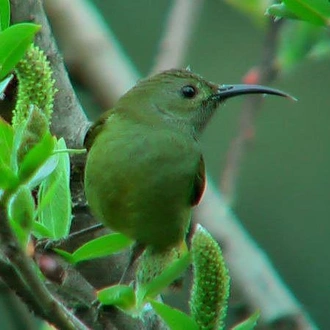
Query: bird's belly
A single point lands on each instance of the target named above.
(146, 188)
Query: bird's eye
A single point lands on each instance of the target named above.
(188, 91)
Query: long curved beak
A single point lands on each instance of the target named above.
(227, 91)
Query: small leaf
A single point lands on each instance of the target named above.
(162, 281)
(122, 296)
(296, 40)
(56, 215)
(36, 157)
(6, 142)
(21, 210)
(66, 255)
(175, 319)
(40, 231)
(248, 324)
(313, 11)
(101, 247)
(42, 172)
(8, 179)
(4, 14)
(21, 234)
(280, 11)
(14, 42)
(3, 85)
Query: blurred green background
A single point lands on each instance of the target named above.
(283, 194)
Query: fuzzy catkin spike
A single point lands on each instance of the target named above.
(152, 263)
(36, 86)
(210, 291)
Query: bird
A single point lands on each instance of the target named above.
(145, 169)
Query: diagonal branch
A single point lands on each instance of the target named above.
(177, 34)
(14, 281)
(67, 110)
(249, 267)
(46, 304)
(94, 56)
(266, 73)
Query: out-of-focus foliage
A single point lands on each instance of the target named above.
(313, 11)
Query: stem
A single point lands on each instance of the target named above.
(177, 35)
(52, 309)
(250, 110)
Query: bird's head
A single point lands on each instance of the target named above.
(184, 97)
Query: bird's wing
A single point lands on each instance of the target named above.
(199, 183)
(95, 129)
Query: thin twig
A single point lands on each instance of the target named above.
(250, 109)
(13, 280)
(52, 309)
(177, 35)
(51, 244)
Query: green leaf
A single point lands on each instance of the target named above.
(280, 11)
(36, 157)
(66, 255)
(3, 84)
(56, 214)
(14, 42)
(248, 324)
(122, 296)
(162, 281)
(313, 11)
(40, 231)
(21, 234)
(21, 208)
(8, 179)
(175, 319)
(6, 142)
(101, 247)
(42, 172)
(21, 211)
(296, 40)
(4, 14)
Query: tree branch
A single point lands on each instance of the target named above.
(249, 267)
(265, 74)
(177, 34)
(68, 119)
(94, 54)
(13, 280)
(52, 309)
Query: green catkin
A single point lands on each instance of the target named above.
(152, 263)
(36, 86)
(35, 98)
(210, 290)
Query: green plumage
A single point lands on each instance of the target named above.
(146, 179)
(144, 168)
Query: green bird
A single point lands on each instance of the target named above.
(145, 169)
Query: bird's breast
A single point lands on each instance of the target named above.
(140, 177)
